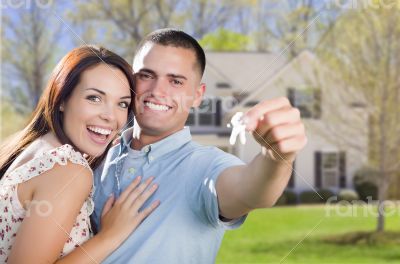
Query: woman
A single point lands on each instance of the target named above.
(46, 169)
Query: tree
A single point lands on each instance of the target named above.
(206, 16)
(225, 40)
(28, 52)
(291, 24)
(364, 53)
(122, 24)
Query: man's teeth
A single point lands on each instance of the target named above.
(156, 106)
(100, 130)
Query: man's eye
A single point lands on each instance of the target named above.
(144, 76)
(177, 82)
(93, 98)
(124, 104)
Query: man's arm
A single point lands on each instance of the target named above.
(277, 127)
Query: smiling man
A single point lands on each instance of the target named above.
(203, 190)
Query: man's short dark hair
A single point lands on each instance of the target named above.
(176, 38)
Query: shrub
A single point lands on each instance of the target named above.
(287, 198)
(364, 182)
(326, 194)
(291, 197)
(309, 197)
(348, 195)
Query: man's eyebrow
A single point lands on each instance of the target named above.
(103, 93)
(177, 76)
(173, 75)
(148, 71)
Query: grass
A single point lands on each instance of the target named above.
(309, 234)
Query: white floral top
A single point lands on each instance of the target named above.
(12, 213)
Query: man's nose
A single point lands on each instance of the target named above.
(160, 87)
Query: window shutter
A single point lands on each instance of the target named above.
(317, 169)
(342, 169)
(218, 113)
(291, 180)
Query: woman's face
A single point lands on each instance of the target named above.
(97, 109)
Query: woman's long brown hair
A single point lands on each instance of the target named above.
(47, 117)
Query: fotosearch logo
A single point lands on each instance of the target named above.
(363, 4)
(42, 4)
(358, 208)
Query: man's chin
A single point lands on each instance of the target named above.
(159, 131)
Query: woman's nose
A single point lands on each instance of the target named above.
(108, 113)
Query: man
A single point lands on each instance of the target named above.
(203, 190)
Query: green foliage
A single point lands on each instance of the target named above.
(225, 40)
(10, 120)
(364, 182)
(348, 195)
(287, 198)
(326, 194)
(309, 197)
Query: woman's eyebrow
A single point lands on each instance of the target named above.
(97, 90)
(103, 93)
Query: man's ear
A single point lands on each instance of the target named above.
(198, 94)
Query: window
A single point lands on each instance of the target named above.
(207, 114)
(223, 85)
(191, 118)
(308, 101)
(330, 169)
(251, 103)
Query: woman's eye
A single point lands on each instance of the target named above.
(93, 98)
(124, 104)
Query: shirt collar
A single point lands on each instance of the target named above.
(159, 148)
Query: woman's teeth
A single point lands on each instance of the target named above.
(156, 106)
(98, 130)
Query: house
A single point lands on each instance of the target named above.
(236, 81)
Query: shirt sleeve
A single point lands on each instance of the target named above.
(206, 165)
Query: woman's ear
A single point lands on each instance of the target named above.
(61, 107)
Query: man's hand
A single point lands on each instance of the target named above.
(277, 126)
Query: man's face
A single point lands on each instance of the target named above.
(167, 86)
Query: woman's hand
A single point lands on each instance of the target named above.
(121, 217)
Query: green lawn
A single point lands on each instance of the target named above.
(295, 235)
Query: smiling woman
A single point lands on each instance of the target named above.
(97, 108)
(46, 169)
